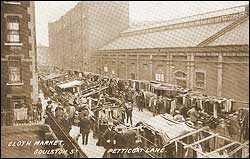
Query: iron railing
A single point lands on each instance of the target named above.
(69, 143)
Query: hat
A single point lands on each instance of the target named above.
(49, 102)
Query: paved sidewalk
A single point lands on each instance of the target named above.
(91, 150)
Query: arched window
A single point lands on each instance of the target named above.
(180, 75)
(180, 78)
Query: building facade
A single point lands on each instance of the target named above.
(208, 53)
(84, 29)
(43, 58)
(18, 57)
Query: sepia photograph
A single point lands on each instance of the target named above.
(124, 79)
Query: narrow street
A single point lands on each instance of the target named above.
(125, 79)
(91, 150)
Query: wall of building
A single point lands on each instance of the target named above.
(23, 51)
(209, 65)
(218, 65)
(86, 27)
(106, 21)
(235, 77)
(233, 82)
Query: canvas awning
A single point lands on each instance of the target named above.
(168, 128)
(70, 84)
(53, 76)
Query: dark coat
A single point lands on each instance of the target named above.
(84, 125)
(108, 135)
(66, 125)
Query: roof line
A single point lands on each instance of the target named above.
(223, 31)
(211, 12)
(196, 15)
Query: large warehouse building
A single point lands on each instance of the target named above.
(84, 29)
(207, 52)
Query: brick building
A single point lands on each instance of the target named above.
(207, 52)
(82, 30)
(18, 57)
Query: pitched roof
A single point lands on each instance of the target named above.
(153, 24)
(185, 32)
(237, 36)
(180, 37)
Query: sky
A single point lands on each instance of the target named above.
(139, 11)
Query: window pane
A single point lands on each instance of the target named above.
(15, 49)
(13, 26)
(200, 84)
(13, 29)
(14, 71)
(159, 77)
(156, 77)
(162, 77)
(200, 76)
(13, 38)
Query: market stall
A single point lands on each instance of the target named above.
(70, 86)
(182, 141)
(52, 79)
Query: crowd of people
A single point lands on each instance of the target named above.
(77, 115)
(80, 116)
